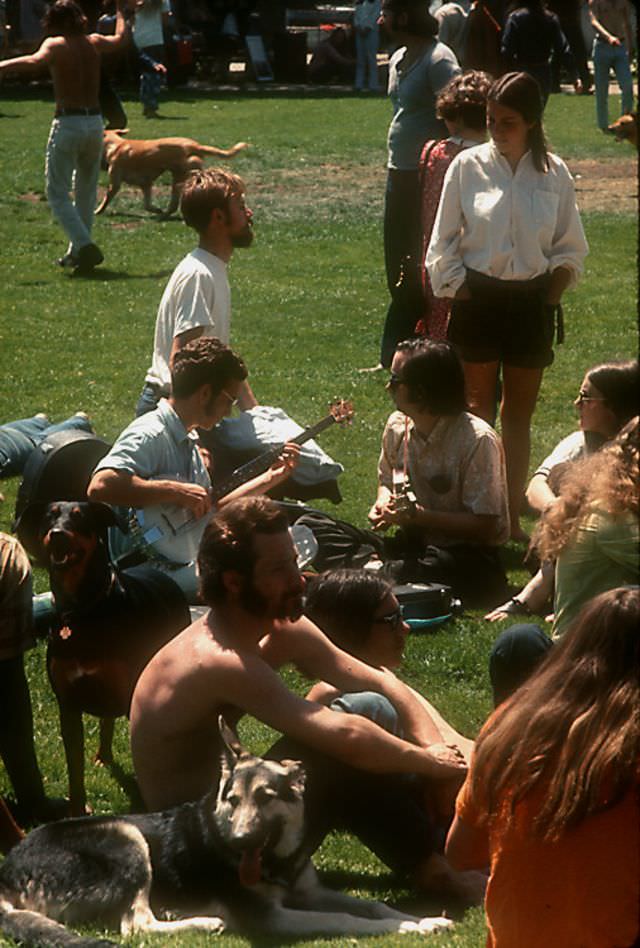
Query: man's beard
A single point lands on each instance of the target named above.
(243, 238)
(286, 607)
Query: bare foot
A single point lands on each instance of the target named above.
(373, 368)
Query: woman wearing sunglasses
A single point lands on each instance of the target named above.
(358, 610)
(608, 398)
(606, 401)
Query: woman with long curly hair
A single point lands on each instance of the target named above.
(552, 800)
(592, 530)
(592, 534)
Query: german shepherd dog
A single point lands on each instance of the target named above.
(107, 624)
(141, 161)
(234, 857)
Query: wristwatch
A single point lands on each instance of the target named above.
(517, 607)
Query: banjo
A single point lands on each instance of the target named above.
(173, 533)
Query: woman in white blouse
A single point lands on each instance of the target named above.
(506, 243)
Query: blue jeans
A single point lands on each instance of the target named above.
(19, 438)
(605, 58)
(147, 400)
(366, 60)
(370, 704)
(72, 163)
(151, 82)
(401, 241)
(515, 655)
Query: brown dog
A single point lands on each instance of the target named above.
(140, 162)
(106, 626)
(626, 128)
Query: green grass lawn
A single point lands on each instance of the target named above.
(308, 302)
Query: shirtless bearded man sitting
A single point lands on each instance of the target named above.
(226, 663)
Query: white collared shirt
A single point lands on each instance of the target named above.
(504, 224)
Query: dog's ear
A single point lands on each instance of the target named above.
(232, 749)
(27, 527)
(296, 774)
(102, 515)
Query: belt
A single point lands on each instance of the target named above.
(94, 111)
(479, 280)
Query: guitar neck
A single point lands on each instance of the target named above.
(264, 461)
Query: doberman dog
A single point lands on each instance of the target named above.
(107, 624)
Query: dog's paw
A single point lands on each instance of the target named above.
(425, 926)
(433, 924)
(103, 758)
(211, 923)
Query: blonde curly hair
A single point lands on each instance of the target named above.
(607, 480)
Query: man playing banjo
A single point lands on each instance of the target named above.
(155, 465)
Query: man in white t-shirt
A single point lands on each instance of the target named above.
(197, 300)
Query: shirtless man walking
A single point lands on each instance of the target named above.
(74, 148)
(226, 663)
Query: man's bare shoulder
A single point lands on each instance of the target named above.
(201, 651)
(51, 47)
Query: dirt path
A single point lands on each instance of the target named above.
(606, 185)
(610, 185)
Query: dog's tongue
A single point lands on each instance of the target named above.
(250, 870)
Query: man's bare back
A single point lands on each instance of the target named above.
(74, 63)
(174, 733)
(73, 59)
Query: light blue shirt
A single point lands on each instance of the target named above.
(413, 94)
(157, 446)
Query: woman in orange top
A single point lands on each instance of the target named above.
(552, 800)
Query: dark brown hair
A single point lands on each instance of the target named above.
(205, 361)
(434, 376)
(64, 18)
(343, 602)
(464, 99)
(418, 20)
(619, 384)
(521, 92)
(227, 543)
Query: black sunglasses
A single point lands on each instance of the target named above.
(394, 619)
(395, 380)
